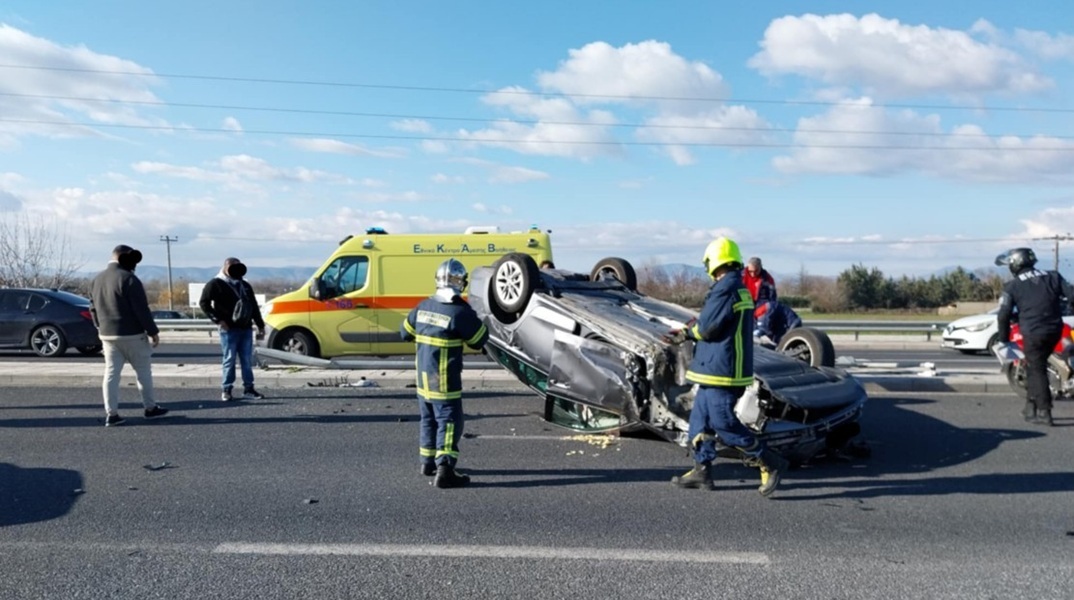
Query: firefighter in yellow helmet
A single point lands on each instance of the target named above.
(722, 368)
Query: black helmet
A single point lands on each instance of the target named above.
(1017, 259)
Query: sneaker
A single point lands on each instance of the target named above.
(113, 420)
(156, 411)
(253, 394)
(226, 396)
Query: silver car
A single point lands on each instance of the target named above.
(593, 348)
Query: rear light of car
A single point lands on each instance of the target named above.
(86, 315)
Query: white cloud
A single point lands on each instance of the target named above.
(516, 175)
(339, 147)
(441, 178)
(732, 126)
(373, 183)
(1060, 46)
(412, 126)
(483, 208)
(858, 138)
(1056, 221)
(384, 197)
(232, 124)
(561, 129)
(10, 179)
(647, 69)
(238, 169)
(885, 56)
(98, 77)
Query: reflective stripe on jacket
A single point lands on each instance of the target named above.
(723, 356)
(440, 330)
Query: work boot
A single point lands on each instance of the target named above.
(428, 469)
(448, 477)
(1029, 411)
(772, 466)
(697, 478)
(1043, 417)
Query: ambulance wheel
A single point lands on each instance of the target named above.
(617, 268)
(809, 345)
(514, 276)
(297, 341)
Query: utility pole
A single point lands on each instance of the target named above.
(1057, 238)
(168, 241)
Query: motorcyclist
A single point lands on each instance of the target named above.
(1038, 297)
(722, 368)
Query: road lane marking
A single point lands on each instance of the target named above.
(529, 552)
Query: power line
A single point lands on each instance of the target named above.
(517, 92)
(485, 140)
(517, 121)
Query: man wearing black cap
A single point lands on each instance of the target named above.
(121, 313)
(229, 302)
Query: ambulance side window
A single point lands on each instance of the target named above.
(345, 275)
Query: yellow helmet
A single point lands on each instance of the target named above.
(721, 251)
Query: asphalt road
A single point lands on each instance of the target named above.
(317, 495)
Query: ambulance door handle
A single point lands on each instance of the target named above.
(359, 305)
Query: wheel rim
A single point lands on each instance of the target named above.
(46, 341)
(798, 350)
(296, 346)
(509, 282)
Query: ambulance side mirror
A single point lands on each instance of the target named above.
(317, 289)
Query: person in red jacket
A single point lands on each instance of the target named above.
(754, 276)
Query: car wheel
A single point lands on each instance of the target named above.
(1016, 378)
(48, 341)
(808, 345)
(90, 350)
(297, 341)
(992, 341)
(513, 278)
(618, 268)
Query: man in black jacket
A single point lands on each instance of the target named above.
(128, 333)
(229, 301)
(1038, 297)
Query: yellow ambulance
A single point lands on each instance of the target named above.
(357, 300)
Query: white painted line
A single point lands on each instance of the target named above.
(531, 552)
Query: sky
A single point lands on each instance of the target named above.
(909, 137)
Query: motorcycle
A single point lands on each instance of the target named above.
(1060, 370)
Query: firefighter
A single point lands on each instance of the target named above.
(1038, 298)
(441, 325)
(722, 368)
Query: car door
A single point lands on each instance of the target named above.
(346, 321)
(15, 320)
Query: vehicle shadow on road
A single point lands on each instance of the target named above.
(906, 442)
(527, 478)
(33, 495)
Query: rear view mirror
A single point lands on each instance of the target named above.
(317, 289)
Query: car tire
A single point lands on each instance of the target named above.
(514, 277)
(619, 268)
(812, 346)
(48, 341)
(297, 341)
(90, 350)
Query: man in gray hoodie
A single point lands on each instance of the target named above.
(128, 333)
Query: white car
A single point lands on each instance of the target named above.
(977, 333)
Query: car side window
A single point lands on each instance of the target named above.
(37, 302)
(346, 274)
(14, 300)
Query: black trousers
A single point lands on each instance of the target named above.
(1037, 350)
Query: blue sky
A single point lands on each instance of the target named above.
(903, 136)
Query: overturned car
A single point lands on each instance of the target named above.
(592, 347)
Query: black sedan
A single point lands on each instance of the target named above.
(593, 348)
(46, 321)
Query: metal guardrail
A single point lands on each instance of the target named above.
(855, 327)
